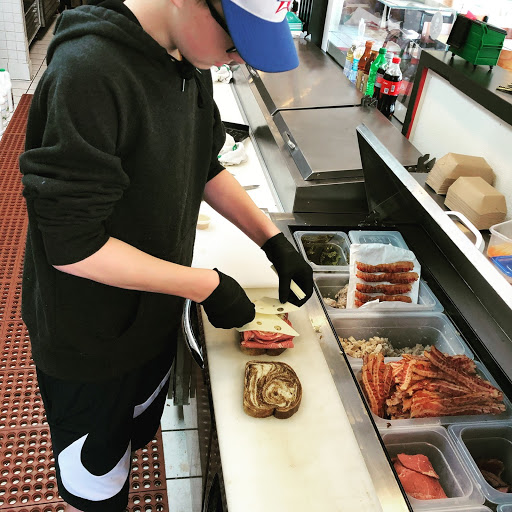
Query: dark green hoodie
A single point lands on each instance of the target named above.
(121, 141)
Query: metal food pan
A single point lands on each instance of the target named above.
(386, 424)
(328, 284)
(319, 246)
(489, 440)
(378, 237)
(454, 477)
(403, 331)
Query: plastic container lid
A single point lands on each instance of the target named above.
(490, 440)
(378, 237)
(504, 263)
(396, 60)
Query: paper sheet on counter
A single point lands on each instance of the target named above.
(375, 254)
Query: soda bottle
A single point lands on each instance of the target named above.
(362, 63)
(369, 62)
(376, 64)
(353, 72)
(349, 60)
(380, 76)
(390, 88)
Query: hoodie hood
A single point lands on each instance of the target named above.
(100, 21)
(107, 23)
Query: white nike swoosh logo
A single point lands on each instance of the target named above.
(139, 409)
(80, 482)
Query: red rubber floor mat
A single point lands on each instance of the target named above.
(27, 466)
(10, 300)
(15, 351)
(27, 474)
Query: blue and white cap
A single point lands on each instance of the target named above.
(261, 33)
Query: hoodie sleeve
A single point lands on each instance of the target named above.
(219, 137)
(72, 177)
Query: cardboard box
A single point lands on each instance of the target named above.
(480, 202)
(452, 166)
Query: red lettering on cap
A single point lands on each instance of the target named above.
(283, 6)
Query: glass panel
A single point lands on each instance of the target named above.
(403, 26)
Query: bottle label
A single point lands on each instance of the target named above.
(391, 88)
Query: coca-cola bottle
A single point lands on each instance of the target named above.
(380, 75)
(390, 88)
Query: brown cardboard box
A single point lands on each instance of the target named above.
(480, 202)
(452, 166)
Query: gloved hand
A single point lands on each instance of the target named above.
(289, 265)
(228, 305)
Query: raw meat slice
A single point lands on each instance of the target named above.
(418, 485)
(419, 463)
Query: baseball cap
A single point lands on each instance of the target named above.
(261, 33)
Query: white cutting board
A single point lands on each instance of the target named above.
(309, 462)
(225, 247)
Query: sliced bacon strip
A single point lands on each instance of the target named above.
(386, 289)
(398, 278)
(421, 388)
(398, 266)
(472, 382)
(363, 297)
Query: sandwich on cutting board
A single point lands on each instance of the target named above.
(270, 332)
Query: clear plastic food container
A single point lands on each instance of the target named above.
(499, 249)
(326, 251)
(454, 478)
(384, 424)
(329, 284)
(489, 441)
(378, 237)
(504, 508)
(403, 331)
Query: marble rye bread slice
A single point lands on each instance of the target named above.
(271, 388)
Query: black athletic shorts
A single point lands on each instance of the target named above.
(94, 428)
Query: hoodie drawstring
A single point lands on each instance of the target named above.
(187, 71)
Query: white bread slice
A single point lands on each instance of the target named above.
(271, 388)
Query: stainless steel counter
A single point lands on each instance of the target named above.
(307, 140)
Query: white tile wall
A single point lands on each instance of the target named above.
(14, 54)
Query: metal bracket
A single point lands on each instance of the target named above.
(423, 165)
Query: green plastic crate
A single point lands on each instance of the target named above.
(476, 41)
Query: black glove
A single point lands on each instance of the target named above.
(289, 265)
(228, 306)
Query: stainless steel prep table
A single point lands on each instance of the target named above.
(317, 82)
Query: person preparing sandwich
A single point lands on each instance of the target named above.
(122, 143)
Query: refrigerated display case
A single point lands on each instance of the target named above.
(404, 27)
(469, 314)
(466, 312)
